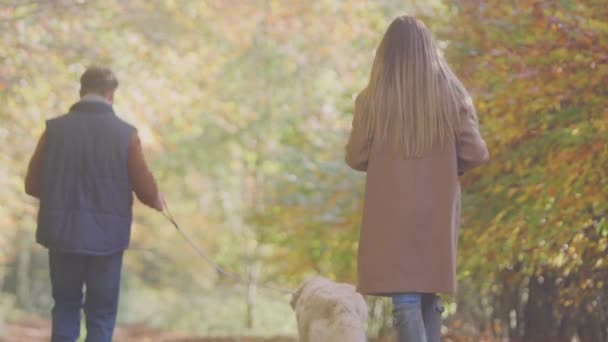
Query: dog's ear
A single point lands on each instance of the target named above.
(294, 297)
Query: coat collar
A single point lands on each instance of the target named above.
(94, 97)
(92, 106)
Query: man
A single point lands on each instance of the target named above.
(84, 170)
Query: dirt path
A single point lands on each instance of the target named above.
(33, 329)
(39, 330)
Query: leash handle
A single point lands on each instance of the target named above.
(167, 213)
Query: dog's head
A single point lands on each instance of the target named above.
(309, 283)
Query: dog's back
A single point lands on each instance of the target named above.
(329, 312)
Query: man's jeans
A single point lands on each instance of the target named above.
(417, 317)
(101, 277)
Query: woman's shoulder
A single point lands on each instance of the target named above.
(362, 97)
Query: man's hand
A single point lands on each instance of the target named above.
(159, 204)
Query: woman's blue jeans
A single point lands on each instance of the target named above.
(417, 317)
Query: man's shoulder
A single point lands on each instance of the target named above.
(70, 118)
(124, 122)
(58, 118)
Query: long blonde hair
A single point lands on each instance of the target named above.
(413, 98)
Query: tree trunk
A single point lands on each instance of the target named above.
(252, 288)
(541, 323)
(590, 328)
(23, 271)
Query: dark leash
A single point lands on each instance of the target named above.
(232, 276)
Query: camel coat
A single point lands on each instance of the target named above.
(411, 213)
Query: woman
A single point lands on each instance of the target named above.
(414, 132)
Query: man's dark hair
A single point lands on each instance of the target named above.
(97, 80)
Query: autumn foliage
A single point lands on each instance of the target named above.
(535, 231)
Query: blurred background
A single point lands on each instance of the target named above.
(244, 109)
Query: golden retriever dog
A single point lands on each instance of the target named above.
(329, 312)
